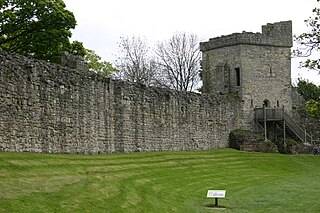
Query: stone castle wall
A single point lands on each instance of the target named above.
(48, 108)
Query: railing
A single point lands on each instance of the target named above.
(301, 133)
(271, 114)
(279, 114)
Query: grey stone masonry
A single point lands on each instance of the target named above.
(255, 66)
(47, 108)
(277, 34)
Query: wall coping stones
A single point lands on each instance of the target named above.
(277, 34)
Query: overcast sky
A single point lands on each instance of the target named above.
(101, 23)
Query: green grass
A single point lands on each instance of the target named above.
(159, 182)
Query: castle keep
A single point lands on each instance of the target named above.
(256, 66)
(49, 108)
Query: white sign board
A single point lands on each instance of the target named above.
(216, 194)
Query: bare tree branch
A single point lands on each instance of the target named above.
(134, 63)
(309, 42)
(178, 60)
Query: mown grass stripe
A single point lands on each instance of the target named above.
(158, 182)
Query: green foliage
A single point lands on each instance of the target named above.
(95, 64)
(308, 90)
(159, 182)
(41, 29)
(311, 93)
(36, 28)
(77, 48)
(313, 108)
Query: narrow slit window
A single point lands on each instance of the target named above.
(238, 82)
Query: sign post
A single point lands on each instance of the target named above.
(216, 194)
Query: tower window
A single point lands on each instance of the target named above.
(238, 83)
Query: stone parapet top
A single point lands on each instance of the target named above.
(278, 34)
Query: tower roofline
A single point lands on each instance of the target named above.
(278, 34)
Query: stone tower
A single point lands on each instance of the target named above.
(255, 66)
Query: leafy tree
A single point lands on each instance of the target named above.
(310, 41)
(36, 28)
(77, 48)
(95, 64)
(178, 61)
(134, 63)
(313, 108)
(311, 93)
(308, 90)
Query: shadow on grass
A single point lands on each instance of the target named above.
(214, 207)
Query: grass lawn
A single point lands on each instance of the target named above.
(159, 182)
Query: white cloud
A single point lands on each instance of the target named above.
(101, 23)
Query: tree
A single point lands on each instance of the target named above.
(310, 41)
(95, 64)
(178, 61)
(308, 90)
(77, 48)
(313, 108)
(36, 28)
(134, 63)
(311, 94)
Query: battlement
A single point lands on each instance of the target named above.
(278, 34)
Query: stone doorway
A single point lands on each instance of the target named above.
(266, 103)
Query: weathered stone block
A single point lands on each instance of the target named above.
(49, 108)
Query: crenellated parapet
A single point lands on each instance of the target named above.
(254, 66)
(278, 34)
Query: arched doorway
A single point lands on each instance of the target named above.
(266, 103)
